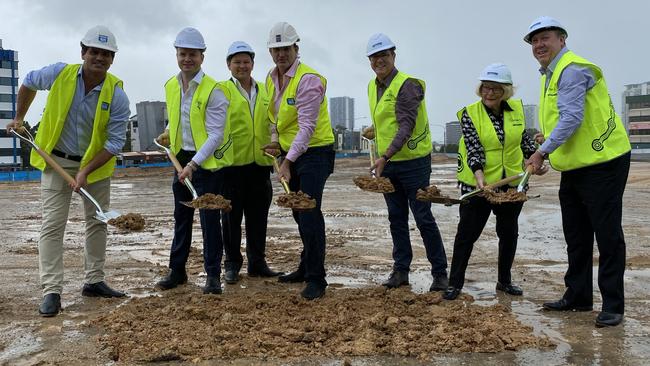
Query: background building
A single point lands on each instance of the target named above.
(636, 114)
(342, 112)
(452, 133)
(149, 122)
(9, 146)
(531, 113)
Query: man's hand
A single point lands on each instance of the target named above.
(81, 181)
(273, 148)
(16, 125)
(539, 138)
(185, 174)
(480, 179)
(163, 138)
(285, 170)
(537, 161)
(379, 166)
(368, 132)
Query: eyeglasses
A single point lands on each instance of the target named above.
(496, 90)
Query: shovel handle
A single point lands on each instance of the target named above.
(504, 181)
(277, 169)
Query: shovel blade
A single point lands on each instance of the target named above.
(445, 200)
(106, 215)
(189, 204)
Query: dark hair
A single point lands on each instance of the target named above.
(85, 48)
(252, 55)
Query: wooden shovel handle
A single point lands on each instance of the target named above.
(51, 162)
(503, 181)
(285, 185)
(175, 162)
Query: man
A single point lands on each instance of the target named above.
(247, 181)
(401, 131)
(83, 127)
(197, 110)
(586, 141)
(298, 108)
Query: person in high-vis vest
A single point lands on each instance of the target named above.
(493, 145)
(198, 135)
(303, 134)
(403, 139)
(247, 182)
(83, 128)
(586, 141)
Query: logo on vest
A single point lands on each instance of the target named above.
(220, 152)
(105, 106)
(291, 101)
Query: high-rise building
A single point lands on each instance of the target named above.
(452, 133)
(147, 125)
(636, 114)
(9, 145)
(532, 116)
(342, 112)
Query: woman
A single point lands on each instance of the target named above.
(493, 146)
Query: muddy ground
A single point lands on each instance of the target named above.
(262, 322)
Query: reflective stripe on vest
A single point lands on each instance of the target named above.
(500, 159)
(248, 134)
(287, 117)
(58, 104)
(601, 136)
(223, 155)
(386, 125)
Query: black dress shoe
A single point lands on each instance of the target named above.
(231, 276)
(313, 290)
(262, 271)
(50, 306)
(212, 285)
(605, 319)
(563, 305)
(100, 289)
(173, 279)
(510, 289)
(440, 282)
(293, 277)
(451, 293)
(397, 279)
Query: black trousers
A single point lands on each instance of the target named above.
(249, 189)
(473, 217)
(591, 199)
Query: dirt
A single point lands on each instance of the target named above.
(374, 184)
(262, 322)
(510, 195)
(296, 201)
(130, 221)
(211, 201)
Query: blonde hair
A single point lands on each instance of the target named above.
(508, 90)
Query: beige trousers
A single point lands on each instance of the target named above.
(56, 195)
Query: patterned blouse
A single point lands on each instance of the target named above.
(475, 151)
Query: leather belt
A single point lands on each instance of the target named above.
(61, 154)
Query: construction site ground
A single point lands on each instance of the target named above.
(358, 322)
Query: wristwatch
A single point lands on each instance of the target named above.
(192, 165)
(385, 158)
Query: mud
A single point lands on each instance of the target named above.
(356, 323)
(130, 221)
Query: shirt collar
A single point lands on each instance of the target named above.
(551, 67)
(292, 70)
(80, 75)
(238, 84)
(196, 79)
(386, 82)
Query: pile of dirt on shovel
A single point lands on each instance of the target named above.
(511, 195)
(130, 221)
(374, 184)
(296, 200)
(430, 193)
(211, 201)
(278, 324)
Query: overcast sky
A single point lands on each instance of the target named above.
(445, 43)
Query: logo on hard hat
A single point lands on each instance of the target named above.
(241, 46)
(492, 73)
(377, 44)
(102, 38)
(535, 24)
(278, 38)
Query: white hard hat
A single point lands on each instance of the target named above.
(100, 37)
(496, 72)
(282, 34)
(543, 23)
(189, 38)
(378, 42)
(240, 47)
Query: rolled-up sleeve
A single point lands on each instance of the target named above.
(118, 121)
(43, 79)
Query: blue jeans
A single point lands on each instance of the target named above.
(407, 177)
(308, 174)
(204, 181)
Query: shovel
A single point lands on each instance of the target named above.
(285, 185)
(179, 169)
(496, 184)
(100, 214)
(524, 180)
